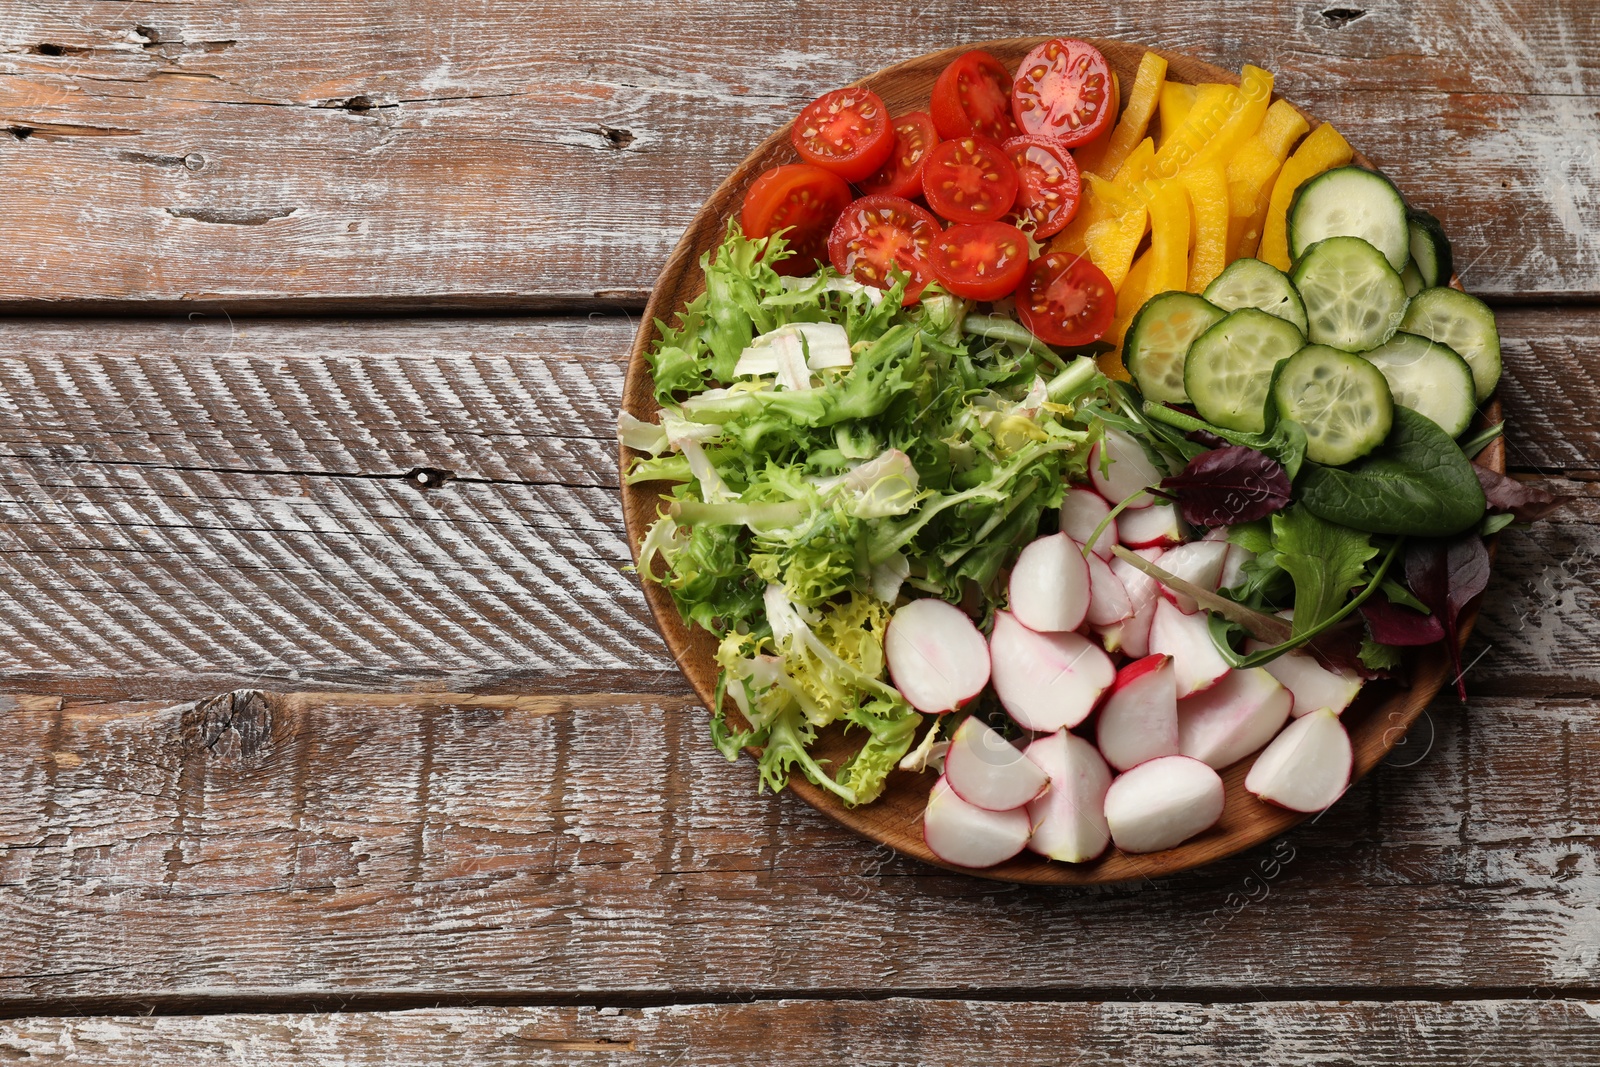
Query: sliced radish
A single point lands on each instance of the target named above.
(1150, 527)
(1128, 471)
(1108, 597)
(1233, 718)
(987, 770)
(1233, 566)
(1140, 718)
(1163, 802)
(1050, 585)
(1082, 512)
(1069, 820)
(1187, 639)
(1046, 681)
(970, 836)
(1313, 685)
(1307, 767)
(937, 658)
(1199, 563)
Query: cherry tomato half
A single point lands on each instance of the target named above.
(980, 260)
(969, 180)
(878, 233)
(1048, 185)
(973, 97)
(1064, 91)
(802, 199)
(846, 131)
(901, 175)
(1066, 300)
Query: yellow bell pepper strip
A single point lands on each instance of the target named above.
(1213, 105)
(1136, 167)
(1133, 124)
(1208, 204)
(1251, 172)
(1107, 229)
(1322, 150)
(1249, 107)
(1176, 100)
(1131, 296)
(1169, 236)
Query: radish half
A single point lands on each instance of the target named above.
(1163, 802)
(1151, 527)
(1082, 512)
(987, 770)
(1129, 470)
(1108, 597)
(1313, 685)
(1307, 767)
(969, 836)
(1233, 718)
(1139, 720)
(937, 658)
(1049, 589)
(1046, 681)
(1187, 639)
(1069, 820)
(1199, 563)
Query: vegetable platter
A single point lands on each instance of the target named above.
(1064, 461)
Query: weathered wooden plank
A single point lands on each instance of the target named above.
(317, 849)
(502, 153)
(1487, 1033)
(195, 506)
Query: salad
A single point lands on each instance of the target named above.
(1066, 457)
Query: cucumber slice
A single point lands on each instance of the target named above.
(1429, 378)
(1354, 299)
(1229, 370)
(1158, 339)
(1340, 400)
(1430, 248)
(1411, 278)
(1350, 202)
(1463, 322)
(1250, 283)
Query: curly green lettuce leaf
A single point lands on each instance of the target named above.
(1325, 560)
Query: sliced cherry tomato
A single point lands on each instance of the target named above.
(876, 234)
(980, 260)
(802, 199)
(973, 97)
(969, 180)
(901, 175)
(846, 131)
(1064, 91)
(1066, 300)
(1048, 185)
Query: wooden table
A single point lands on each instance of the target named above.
(333, 729)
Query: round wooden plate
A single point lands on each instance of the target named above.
(1377, 721)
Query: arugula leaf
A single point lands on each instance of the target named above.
(1325, 560)
(1417, 482)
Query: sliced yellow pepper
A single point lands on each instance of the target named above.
(1251, 172)
(1176, 101)
(1133, 124)
(1213, 105)
(1169, 236)
(1131, 296)
(1107, 229)
(1323, 150)
(1249, 107)
(1208, 204)
(1136, 167)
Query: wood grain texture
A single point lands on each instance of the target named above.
(299, 851)
(1489, 1033)
(190, 507)
(506, 154)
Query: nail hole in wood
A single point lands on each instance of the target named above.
(1343, 16)
(21, 133)
(426, 478)
(618, 139)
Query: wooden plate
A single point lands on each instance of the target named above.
(1377, 721)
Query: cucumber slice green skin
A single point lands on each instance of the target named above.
(1350, 202)
(1341, 401)
(1429, 378)
(1252, 283)
(1430, 248)
(1229, 370)
(1158, 340)
(1354, 299)
(1465, 324)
